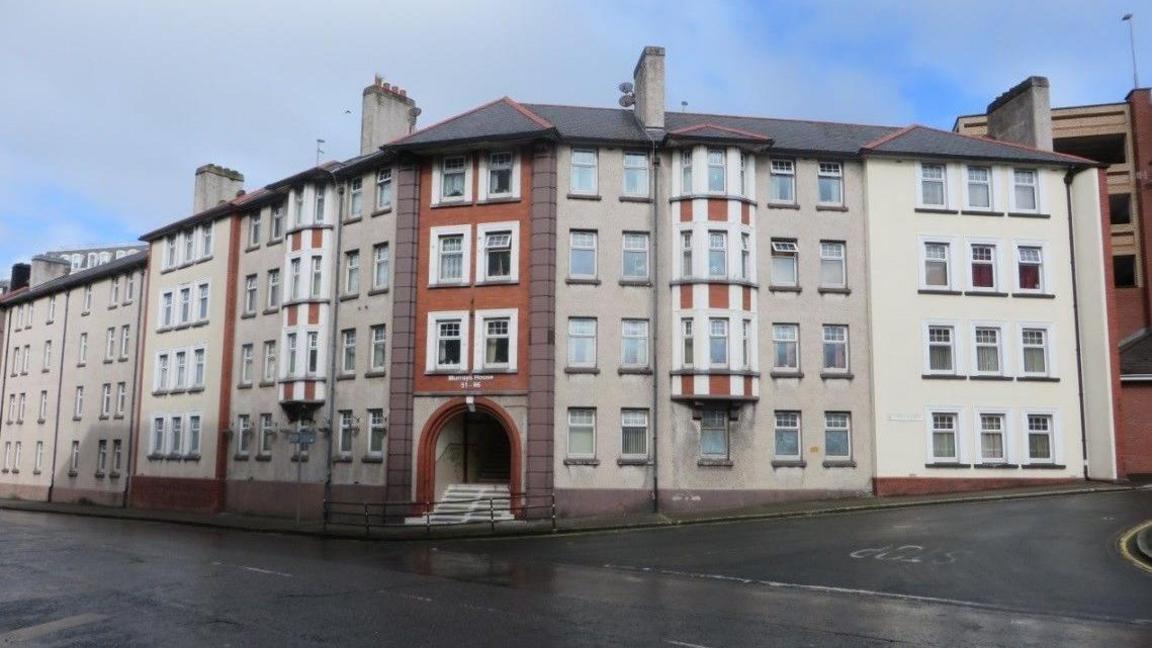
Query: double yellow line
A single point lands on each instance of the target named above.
(1129, 539)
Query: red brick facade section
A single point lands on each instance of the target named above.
(717, 210)
(718, 296)
(685, 211)
(1131, 306)
(889, 486)
(1134, 442)
(176, 494)
(1140, 109)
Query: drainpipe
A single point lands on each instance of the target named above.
(134, 417)
(655, 265)
(334, 301)
(1076, 322)
(6, 334)
(59, 397)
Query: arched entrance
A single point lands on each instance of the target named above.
(467, 444)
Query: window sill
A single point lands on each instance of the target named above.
(634, 371)
(191, 457)
(511, 281)
(435, 285)
(714, 463)
(786, 374)
(252, 248)
(267, 383)
(246, 385)
(272, 310)
(1037, 379)
(995, 466)
(789, 463)
(345, 376)
(275, 241)
(306, 300)
(1026, 295)
(943, 376)
(381, 211)
(295, 458)
(636, 283)
(155, 457)
(947, 464)
(978, 212)
(635, 199)
(576, 281)
(633, 461)
(118, 417)
(372, 459)
(378, 291)
(983, 293)
(845, 463)
(349, 297)
(447, 203)
(79, 365)
(114, 475)
(75, 418)
(446, 372)
(39, 421)
(785, 289)
(935, 210)
(577, 196)
(989, 377)
(103, 417)
(1043, 466)
(1029, 215)
(772, 205)
(379, 373)
(831, 208)
(582, 370)
(834, 291)
(106, 361)
(98, 475)
(499, 200)
(73, 473)
(353, 219)
(308, 226)
(832, 375)
(729, 281)
(714, 195)
(574, 461)
(264, 457)
(122, 359)
(35, 471)
(83, 314)
(938, 291)
(239, 457)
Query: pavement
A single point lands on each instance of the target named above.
(800, 508)
(1020, 572)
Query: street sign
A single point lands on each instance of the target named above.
(303, 437)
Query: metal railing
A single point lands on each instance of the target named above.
(375, 515)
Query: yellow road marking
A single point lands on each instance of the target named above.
(1127, 539)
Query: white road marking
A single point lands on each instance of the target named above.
(422, 599)
(683, 643)
(36, 631)
(852, 591)
(265, 571)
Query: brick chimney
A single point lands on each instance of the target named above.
(47, 268)
(648, 82)
(1023, 115)
(21, 273)
(387, 114)
(214, 185)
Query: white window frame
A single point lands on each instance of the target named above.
(435, 235)
(643, 171)
(348, 344)
(438, 196)
(991, 183)
(274, 288)
(255, 220)
(782, 168)
(922, 179)
(1049, 347)
(581, 425)
(269, 365)
(432, 348)
(997, 264)
(827, 169)
(384, 178)
(595, 166)
(956, 343)
(568, 336)
(243, 434)
(376, 422)
(687, 346)
(1017, 262)
(247, 363)
(778, 339)
(630, 419)
(121, 398)
(825, 342)
(685, 243)
(841, 260)
(482, 232)
(722, 166)
(378, 282)
(251, 294)
(644, 250)
(726, 337)
(485, 186)
(949, 260)
(1002, 357)
(595, 253)
(958, 436)
(797, 429)
(785, 248)
(1006, 437)
(721, 251)
(847, 429)
(351, 272)
(644, 342)
(1036, 189)
(1055, 438)
(726, 428)
(373, 342)
(480, 333)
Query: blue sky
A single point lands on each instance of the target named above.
(108, 107)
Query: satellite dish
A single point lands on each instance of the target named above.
(627, 100)
(625, 87)
(415, 112)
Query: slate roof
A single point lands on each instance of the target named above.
(1136, 356)
(81, 277)
(500, 119)
(921, 140)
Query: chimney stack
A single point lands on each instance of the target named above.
(387, 114)
(214, 185)
(1023, 115)
(21, 273)
(648, 86)
(47, 268)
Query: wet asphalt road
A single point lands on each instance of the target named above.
(1032, 572)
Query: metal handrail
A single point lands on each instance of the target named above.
(384, 514)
